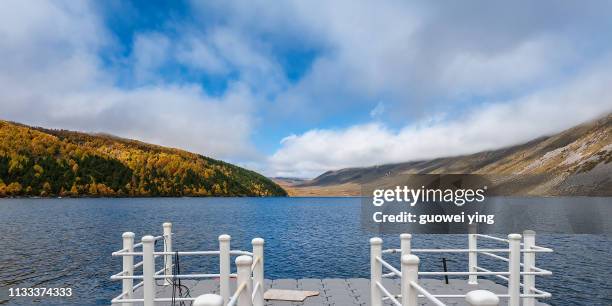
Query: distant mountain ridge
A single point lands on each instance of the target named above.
(35, 161)
(576, 161)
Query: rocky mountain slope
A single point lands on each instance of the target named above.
(574, 162)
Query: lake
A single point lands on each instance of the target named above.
(68, 243)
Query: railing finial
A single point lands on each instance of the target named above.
(257, 241)
(482, 298)
(208, 300)
(410, 259)
(405, 243)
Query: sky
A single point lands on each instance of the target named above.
(296, 88)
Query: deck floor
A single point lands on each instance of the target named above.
(342, 292)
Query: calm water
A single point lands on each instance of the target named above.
(68, 242)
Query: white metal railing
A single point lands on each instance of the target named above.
(250, 273)
(411, 290)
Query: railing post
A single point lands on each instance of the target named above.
(243, 264)
(128, 266)
(375, 271)
(148, 270)
(405, 243)
(482, 298)
(514, 266)
(258, 271)
(472, 258)
(528, 264)
(208, 300)
(410, 273)
(224, 267)
(167, 248)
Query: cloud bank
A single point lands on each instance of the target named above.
(490, 126)
(295, 88)
(53, 76)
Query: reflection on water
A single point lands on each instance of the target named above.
(68, 242)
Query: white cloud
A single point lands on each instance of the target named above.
(150, 52)
(421, 54)
(53, 77)
(490, 126)
(420, 58)
(529, 62)
(201, 55)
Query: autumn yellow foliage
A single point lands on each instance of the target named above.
(44, 162)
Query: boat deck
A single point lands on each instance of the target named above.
(341, 292)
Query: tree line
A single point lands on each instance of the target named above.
(49, 163)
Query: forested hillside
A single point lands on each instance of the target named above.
(42, 162)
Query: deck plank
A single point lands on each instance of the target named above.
(342, 292)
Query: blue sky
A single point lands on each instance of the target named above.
(295, 88)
